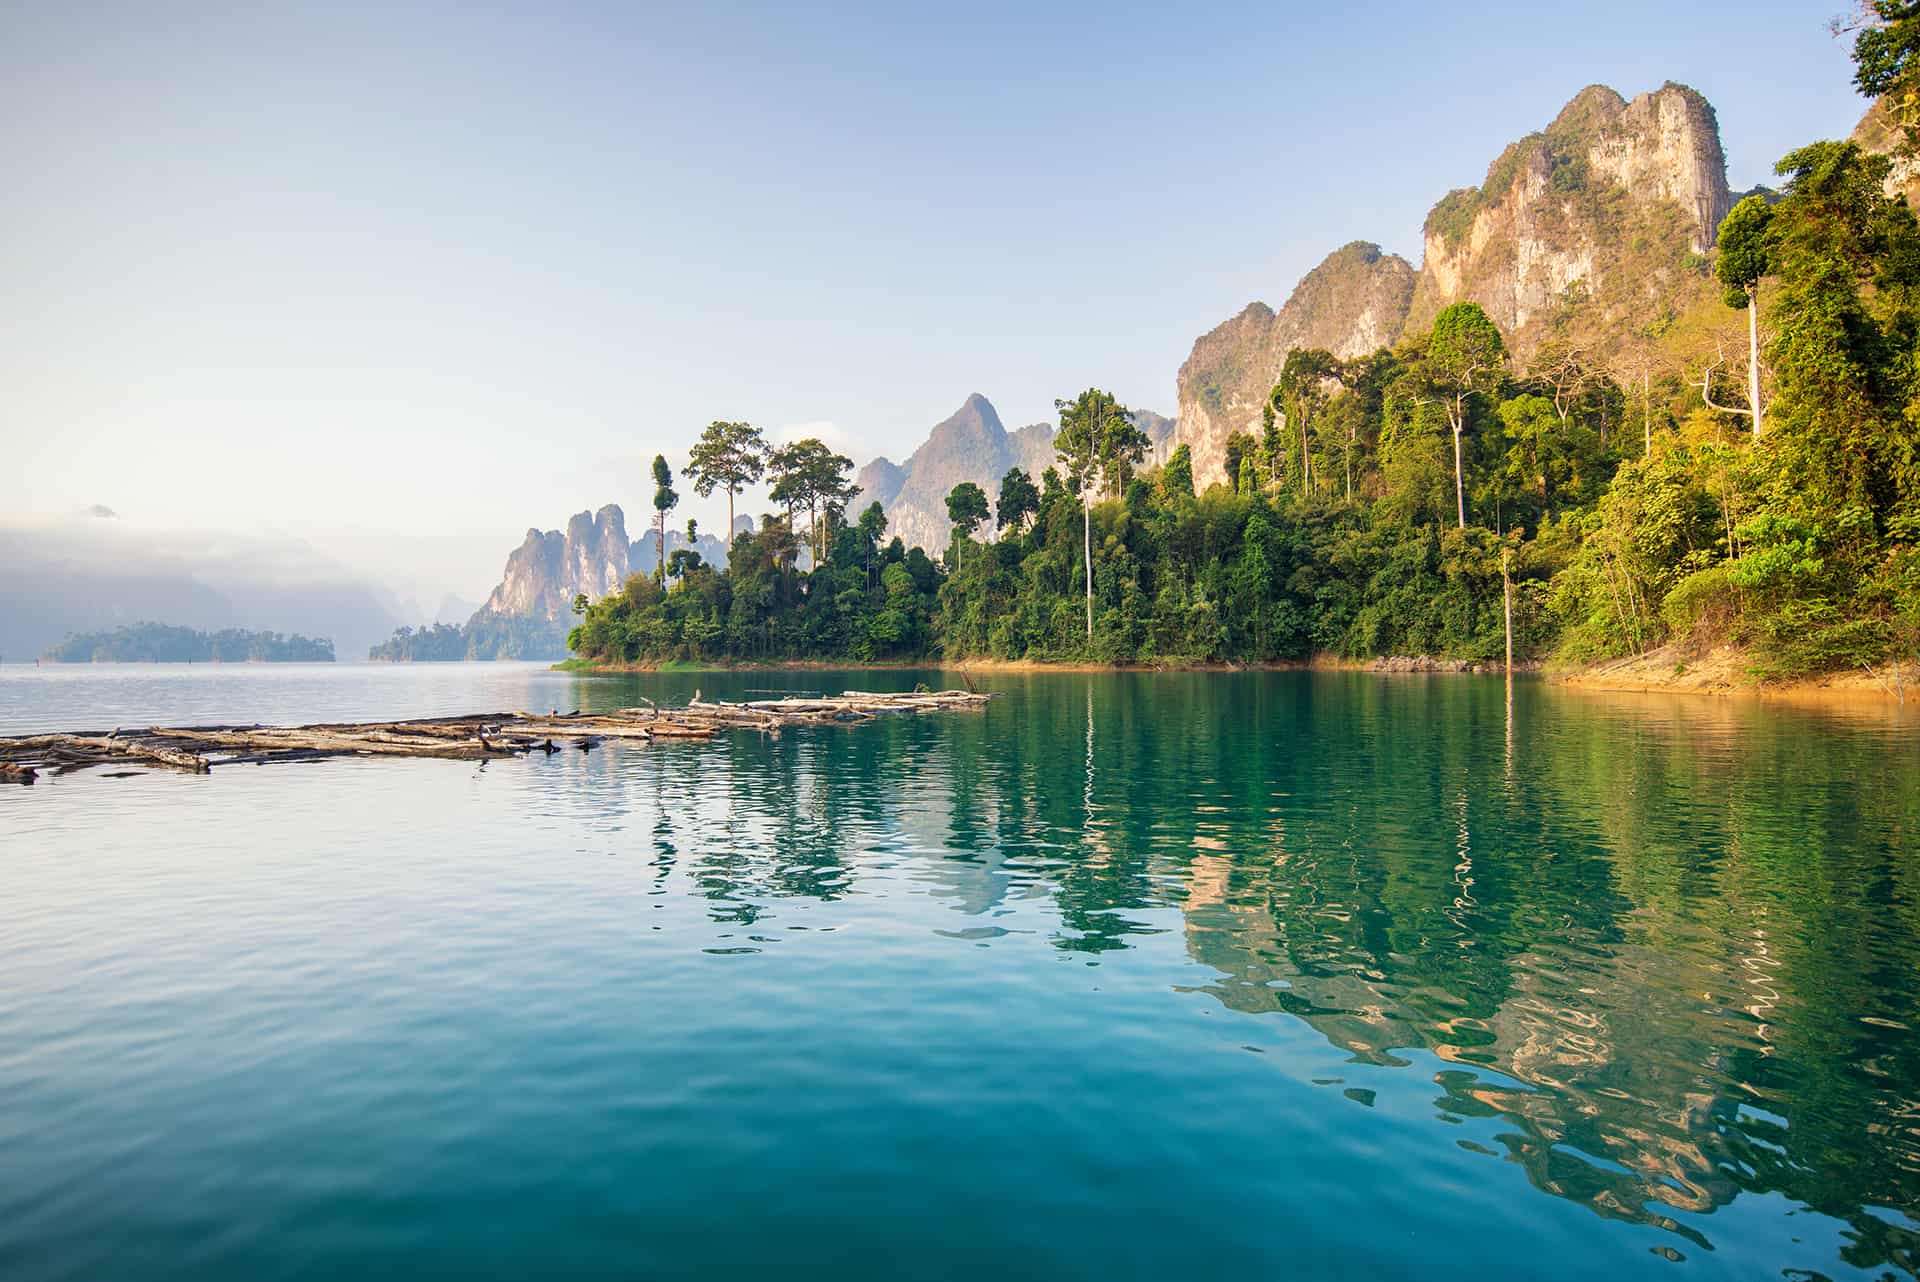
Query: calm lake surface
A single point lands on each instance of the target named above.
(1277, 975)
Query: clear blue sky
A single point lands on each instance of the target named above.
(445, 271)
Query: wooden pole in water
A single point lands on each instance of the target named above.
(1506, 594)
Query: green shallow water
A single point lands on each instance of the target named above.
(1281, 974)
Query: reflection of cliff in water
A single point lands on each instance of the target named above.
(1664, 947)
(1654, 958)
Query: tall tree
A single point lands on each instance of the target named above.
(1019, 499)
(1176, 474)
(807, 474)
(1846, 255)
(967, 509)
(1886, 59)
(1466, 352)
(664, 501)
(1743, 261)
(1269, 449)
(1098, 443)
(729, 456)
(1242, 448)
(1302, 391)
(872, 524)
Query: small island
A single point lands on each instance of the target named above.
(162, 643)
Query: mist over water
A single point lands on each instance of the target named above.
(1314, 975)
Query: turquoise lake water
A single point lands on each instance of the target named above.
(1289, 975)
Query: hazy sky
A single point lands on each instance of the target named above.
(405, 279)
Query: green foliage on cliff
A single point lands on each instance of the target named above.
(159, 643)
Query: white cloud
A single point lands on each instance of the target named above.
(836, 437)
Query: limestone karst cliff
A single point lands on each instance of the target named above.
(1614, 202)
(592, 557)
(1354, 302)
(550, 568)
(1877, 131)
(971, 444)
(1597, 224)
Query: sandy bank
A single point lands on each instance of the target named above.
(1729, 671)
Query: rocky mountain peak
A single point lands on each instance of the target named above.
(971, 444)
(1608, 212)
(1613, 195)
(1354, 301)
(550, 568)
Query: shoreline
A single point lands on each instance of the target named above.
(1725, 673)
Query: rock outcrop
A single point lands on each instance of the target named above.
(1877, 131)
(1614, 203)
(592, 557)
(1354, 302)
(1596, 224)
(549, 568)
(642, 556)
(970, 445)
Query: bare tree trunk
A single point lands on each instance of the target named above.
(660, 547)
(1753, 356)
(1086, 543)
(1459, 476)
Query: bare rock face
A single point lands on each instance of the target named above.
(1602, 220)
(970, 445)
(644, 556)
(879, 482)
(1159, 428)
(549, 569)
(1354, 302)
(1878, 132)
(1616, 202)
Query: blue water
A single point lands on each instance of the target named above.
(1280, 974)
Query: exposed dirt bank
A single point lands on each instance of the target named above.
(1728, 671)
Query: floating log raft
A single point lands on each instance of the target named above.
(475, 737)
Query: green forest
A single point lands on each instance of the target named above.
(485, 636)
(160, 643)
(1393, 501)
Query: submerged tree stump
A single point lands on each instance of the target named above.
(475, 737)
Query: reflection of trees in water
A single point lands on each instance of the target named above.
(1664, 951)
(1669, 950)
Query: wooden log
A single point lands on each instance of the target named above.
(471, 737)
(157, 754)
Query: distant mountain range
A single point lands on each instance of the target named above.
(530, 611)
(971, 444)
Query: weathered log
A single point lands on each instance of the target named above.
(473, 737)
